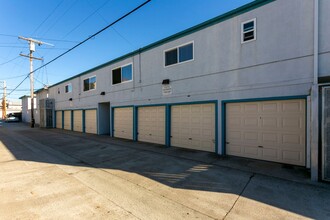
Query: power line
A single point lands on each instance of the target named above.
(84, 41)
(14, 77)
(9, 61)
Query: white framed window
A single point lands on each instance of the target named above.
(122, 74)
(179, 54)
(68, 88)
(249, 31)
(89, 83)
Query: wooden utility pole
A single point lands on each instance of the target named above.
(4, 102)
(32, 46)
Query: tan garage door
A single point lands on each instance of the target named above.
(268, 130)
(91, 121)
(151, 124)
(123, 123)
(67, 120)
(77, 120)
(58, 119)
(193, 126)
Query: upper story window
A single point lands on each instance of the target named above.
(179, 54)
(68, 88)
(90, 83)
(122, 74)
(249, 30)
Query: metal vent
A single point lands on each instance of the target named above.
(326, 133)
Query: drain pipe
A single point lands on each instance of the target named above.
(315, 100)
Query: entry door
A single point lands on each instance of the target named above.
(193, 126)
(67, 120)
(77, 120)
(267, 130)
(58, 119)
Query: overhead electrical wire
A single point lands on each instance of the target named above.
(9, 61)
(84, 41)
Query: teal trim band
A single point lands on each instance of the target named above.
(236, 12)
(168, 125)
(112, 123)
(216, 136)
(62, 119)
(135, 123)
(223, 113)
(83, 121)
(72, 120)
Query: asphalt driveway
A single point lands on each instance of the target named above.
(55, 174)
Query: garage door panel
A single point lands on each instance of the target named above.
(58, 119)
(193, 126)
(77, 120)
(67, 120)
(277, 126)
(91, 121)
(123, 123)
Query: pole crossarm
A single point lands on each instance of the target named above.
(35, 41)
(28, 56)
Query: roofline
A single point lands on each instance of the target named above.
(233, 13)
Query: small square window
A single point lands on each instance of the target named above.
(122, 74)
(249, 31)
(171, 57)
(68, 88)
(89, 83)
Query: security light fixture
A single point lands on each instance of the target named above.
(166, 82)
(102, 93)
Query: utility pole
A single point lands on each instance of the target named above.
(4, 102)
(32, 46)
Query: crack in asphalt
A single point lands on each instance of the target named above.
(239, 196)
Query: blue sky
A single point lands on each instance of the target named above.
(65, 23)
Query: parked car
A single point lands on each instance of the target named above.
(12, 119)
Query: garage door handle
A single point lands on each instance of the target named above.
(150, 134)
(190, 138)
(227, 142)
(261, 146)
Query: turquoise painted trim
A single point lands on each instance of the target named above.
(72, 120)
(97, 122)
(168, 125)
(194, 103)
(83, 121)
(236, 12)
(54, 119)
(223, 114)
(112, 122)
(216, 136)
(62, 119)
(124, 106)
(135, 123)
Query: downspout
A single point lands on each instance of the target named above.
(315, 100)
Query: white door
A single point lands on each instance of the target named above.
(151, 124)
(267, 130)
(91, 121)
(193, 126)
(77, 120)
(67, 120)
(123, 123)
(58, 119)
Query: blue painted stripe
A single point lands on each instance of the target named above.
(135, 123)
(83, 121)
(72, 122)
(168, 125)
(62, 119)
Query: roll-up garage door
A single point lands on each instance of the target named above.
(91, 121)
(58, 119)
(151, 124)
(193, 126)
(77, 120)
(123, 123)
(267, 130)
(67, 120)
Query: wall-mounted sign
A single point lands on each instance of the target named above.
(167, 90)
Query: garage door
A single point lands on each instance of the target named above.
(91, 121)
(67, 120)
(193, 126)
(58, 119)
(269, 130)
(123, 123)
(151, 124)
(77, 120)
